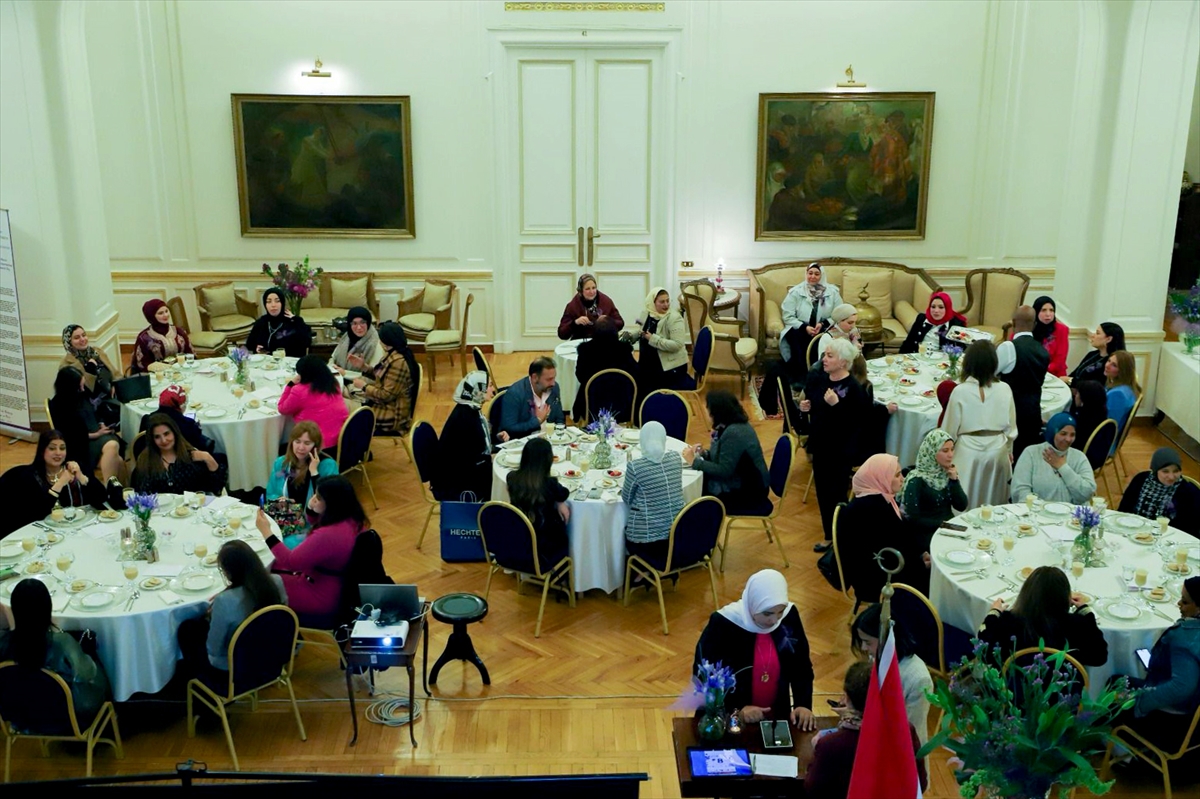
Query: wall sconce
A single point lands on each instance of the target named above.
(851, 83)
(316, 72)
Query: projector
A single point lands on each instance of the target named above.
(382, 636)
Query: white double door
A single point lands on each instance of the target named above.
(582, 150)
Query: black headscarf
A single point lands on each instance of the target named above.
(282, 299)
(357, 312)
(1041, 330)
(392, 335)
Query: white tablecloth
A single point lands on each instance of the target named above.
(963, 600)
(918, 405)
(1179, 387)
(250, 442)
(566, 358)
(138, 649)
(596, 529)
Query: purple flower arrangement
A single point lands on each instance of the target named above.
(1087, 516)
(239, 356)
(296, 282)
(604, 426)
(142, 505)
(1186, 306)
(714, 681)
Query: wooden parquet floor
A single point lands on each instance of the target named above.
(589, 695)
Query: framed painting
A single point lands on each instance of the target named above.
(836, 165)
(324, 166)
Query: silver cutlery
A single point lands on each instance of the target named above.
(134, 597)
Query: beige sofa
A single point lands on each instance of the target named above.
(899, 293)
(337, 294)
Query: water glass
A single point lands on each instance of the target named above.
(189, 359)
(1127, 574)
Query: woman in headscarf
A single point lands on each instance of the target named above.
(1090, 409)
(662, 355)
(359, 349)
(844, 325)
(1052, 334)
(588, 305)
(278, 328)
(932, 491)
(1055, 471)
(160, 340)
(391, 389)
(806, 308)
(653, 493)
(930, 328)
(871, 521)
(464, 460)
(89, 440)
(1162, 491)
(761, 640)
(98, 372)
(1106, 339)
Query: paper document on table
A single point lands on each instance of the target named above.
(775, 765)
(1060, 532)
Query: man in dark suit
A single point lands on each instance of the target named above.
(530, 402)
(603, 351)
(1023, 365)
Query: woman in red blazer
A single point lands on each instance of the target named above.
(1053, 335)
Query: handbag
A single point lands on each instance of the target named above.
(288, 514)
(132, 388)
(460, 537)
(827, 566)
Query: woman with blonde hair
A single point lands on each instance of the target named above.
(981, 417)
(1120, 379)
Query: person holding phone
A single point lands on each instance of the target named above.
(295, 474)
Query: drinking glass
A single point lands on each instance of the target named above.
(189, 358)
(1127, 575)
(1181, 555)
(131, 573)
(189, 549)
(63, 563)
(1029, 500)
(1163, 524)
(28, 543)
(1077, 572)
(985, 514)
(1139, 578)
(1008, 542)
(201, 550)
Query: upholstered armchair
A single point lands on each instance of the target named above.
(733, 351)
(205, 343)
(338, 293)
(426, 310)
(992, 297)
(222, 310)
(449, 341)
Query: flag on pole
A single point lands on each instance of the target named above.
(885, 765)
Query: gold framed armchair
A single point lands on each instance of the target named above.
(223, 310)
(426, 310)
(205, 343)
(733, 351)
(992, 297)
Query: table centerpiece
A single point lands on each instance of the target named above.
(603, 427)
(1186, 306)
(296, 282)
(953, 353)
(711, 684)
(240, 356)
(144, 537)
(1086, 548)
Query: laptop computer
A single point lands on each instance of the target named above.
(395, 602)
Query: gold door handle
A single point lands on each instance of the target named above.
(591, 247)
(579, 251)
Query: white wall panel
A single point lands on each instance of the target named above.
(622, 145)
(541, 306)
(547, 134)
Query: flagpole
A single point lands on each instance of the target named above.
(885, 615)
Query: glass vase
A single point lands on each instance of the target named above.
(602, 455)
(1190, 342)
(294, 301)
(242, 376)
(711, 726)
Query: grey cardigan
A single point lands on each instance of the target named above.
(230, 608)
(720, 464)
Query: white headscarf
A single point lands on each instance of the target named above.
(471, 389)
(653, 441)
(764, 590)
(651, 311)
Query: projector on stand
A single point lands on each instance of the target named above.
(367, 634)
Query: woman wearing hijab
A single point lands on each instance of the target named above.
(932, 491)
(278, 328)
(588, 305)
(359, 349)
(930, 328)
(1055, 471)
(1052, 334)
(761, 639)
(465, 450)
(662, 357)
(89, 440)
(870, 522)
(844, 325)
(1090, 409)
(805, 309)
(98, 373)
(1106, 339)
(653, 493)
(391, 387)
(160, 340)
(1162, 491)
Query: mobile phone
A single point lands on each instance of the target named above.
(776, 734)
(1144, 656)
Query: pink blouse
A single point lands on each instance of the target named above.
(328, 411)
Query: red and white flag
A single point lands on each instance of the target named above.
(885, 765)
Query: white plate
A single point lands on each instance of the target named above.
(1129, 522)
(225, 532)
(45, 568)
(877, 363)
(96, 600)
(630, 436)
(958, 557)
(1121, 611)
(258, 357)
(518, 443)
(1166, 597)
(510, 459)
(158, 583)
(51, 583)
(110, 515)
(182, 512)
(1149, 542)
(1058, 509)
(84, 585)
(11, 549)
(911, 402)
(1019, 577)
(213, 413)
(606, 482)
(194, 582)
(81, 515)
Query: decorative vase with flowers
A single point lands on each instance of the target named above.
(713, 681)
(1085, 548)
(1022, 732)
(953, 353)
(240, 356)
(142, 506)
(1186, 306)
(296, 282)
(604, 427)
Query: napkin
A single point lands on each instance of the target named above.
(1017, 510)
(264, 393)
(169, 597)
(257, 543)
(221, 503)
(100, 530)
(610, 496)
(59, 603)
(161, 569)
(1059, 532)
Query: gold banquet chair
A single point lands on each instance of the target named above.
(510, 544)
(733, 351)
(1158, 758)
(780, 473)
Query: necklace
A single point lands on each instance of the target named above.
(765, 676)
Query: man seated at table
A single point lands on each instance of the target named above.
(530, 402)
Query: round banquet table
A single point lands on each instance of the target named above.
(963, 599)
(919, 408)
(138, 647)
(596, 529)
(566, 358)
(250, 437)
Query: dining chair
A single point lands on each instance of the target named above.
(839, 558)
(482, 365)
(780, 472)
(492, 411)
(939, 646)
(701, 355)
(449, 341)
(1098, 445)
(354, 445)
(224, 311)
(1158, 757)
(428, 309)
(733, 352)
(1116, 458)
(37, 704)
(1016, 658)
(205, 343)
(261, 654)
(422, 444)
(668, 408)
(691, 545)
(613, 389)
(510, 544)
(791, 424)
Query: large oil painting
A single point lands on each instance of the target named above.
(843, 165)
(324, 166)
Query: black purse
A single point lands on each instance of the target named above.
(827, 566)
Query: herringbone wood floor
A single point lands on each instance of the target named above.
(589, 695)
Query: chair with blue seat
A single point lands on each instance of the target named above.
(693, 541)
(791, 424)
(701, 355)
(510, 543)
(422, 445)
(1098, 445)
(780, 472)
(354, 445)
(261, 654)
(611, 389)
(669, 409)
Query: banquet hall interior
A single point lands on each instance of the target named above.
(539, 142)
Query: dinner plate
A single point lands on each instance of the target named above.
(210, 560)
(1142, 539)
(10, 549)
(911, 402)
(517, 443)
(1128, 522)
(213, 413)
(82, 515)
(1058, 509)
(110, 515)
(876, 364)
(958, 557)
(607, 483)
(1121, 610)
(55, 538)
(146, 404)
(51, 583)
(1177, 568)
(224, 532)
(153, 583)
(630, 436)
(182, 512)
(194, 582)
(80, 585)
(257, 357)
(98, 598)
(510, 459)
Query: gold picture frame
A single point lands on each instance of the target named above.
(326, 167)
(843, 165)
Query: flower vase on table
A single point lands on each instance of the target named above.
(604, 428)
(1186, 306)
(953, 353)
(240, 357)
(296, 282)
(1086, 549)
(712, 683)
(144, 537)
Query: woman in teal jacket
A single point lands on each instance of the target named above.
(293, 479)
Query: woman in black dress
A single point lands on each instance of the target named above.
(543, 499)
(50, 479)
(170, 465)
(1042, 612)
(734, 469)
(89, 440)
(465, 450)
(278, 329)
(1106, 339)
(1162, 491)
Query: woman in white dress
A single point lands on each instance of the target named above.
(982, 418)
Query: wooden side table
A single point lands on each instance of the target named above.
(371, 657)
(728, 298)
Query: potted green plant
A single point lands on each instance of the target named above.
(1027, 731)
